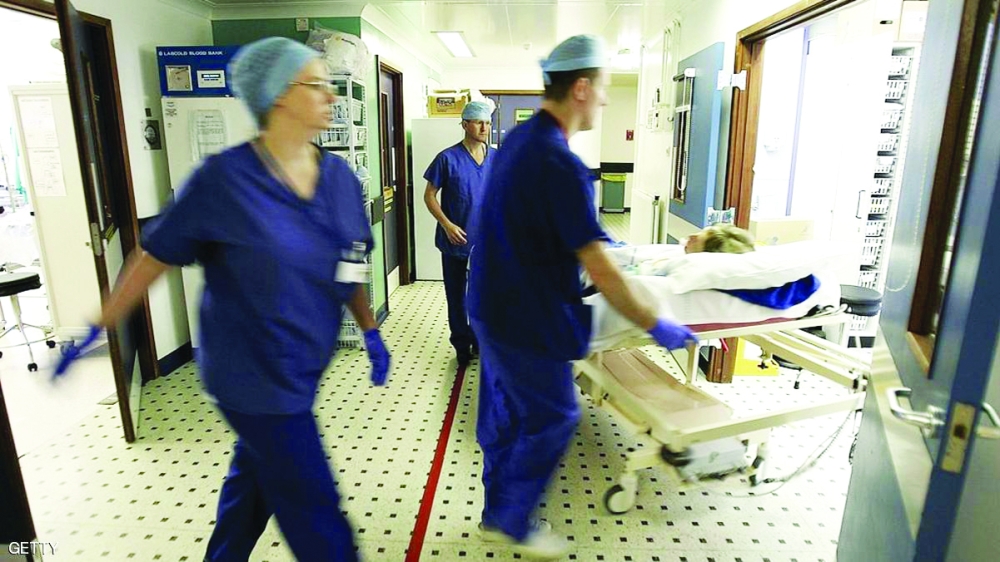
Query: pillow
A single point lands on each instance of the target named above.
(769, 266)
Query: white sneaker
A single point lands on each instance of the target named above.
(540, 544)
(492, 534)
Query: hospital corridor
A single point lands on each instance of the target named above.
(477, 280)
(383, 443)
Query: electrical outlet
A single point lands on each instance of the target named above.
(301, 24)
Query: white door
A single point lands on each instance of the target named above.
(428, 137)
(59, 206)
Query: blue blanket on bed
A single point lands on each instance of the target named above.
(780, 298)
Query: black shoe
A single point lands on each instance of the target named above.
(464, 357)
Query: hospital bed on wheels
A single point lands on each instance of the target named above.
(690, 433)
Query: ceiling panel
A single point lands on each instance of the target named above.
(502, 32)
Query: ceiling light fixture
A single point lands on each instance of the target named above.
(455, 42)
(626, 59)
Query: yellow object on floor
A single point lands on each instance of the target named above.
(750, 363)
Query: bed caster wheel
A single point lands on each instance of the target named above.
(51, 344)
(674, 459)
(32, 367)
(618, 500)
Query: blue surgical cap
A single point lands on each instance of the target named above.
(477, 111)
(576, 53)
(262, 70)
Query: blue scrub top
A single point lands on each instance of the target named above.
(271, 307)
(455, 172)
(536, 211)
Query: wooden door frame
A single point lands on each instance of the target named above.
(404, 221)
(745, 113)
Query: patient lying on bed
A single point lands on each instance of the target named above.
(708, 288)
(718, 238)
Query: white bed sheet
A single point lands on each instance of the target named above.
(695, 308)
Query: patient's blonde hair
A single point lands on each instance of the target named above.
(727, 239)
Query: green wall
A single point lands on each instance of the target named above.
(240, 32)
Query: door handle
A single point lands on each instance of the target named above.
(931, 420)
(989, 432)
(857, 209)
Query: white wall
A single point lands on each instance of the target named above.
(619, 117)
(652, 146)
(493, 77)
(417, 74)
(139, 26)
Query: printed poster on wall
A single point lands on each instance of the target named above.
(45, 165)
(38, 122)
(208, 133)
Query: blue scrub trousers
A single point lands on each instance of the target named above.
(456, 276)
(528, 414)
(279, 467)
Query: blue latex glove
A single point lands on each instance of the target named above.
(670, 335)
(378, 355)
(71, 352)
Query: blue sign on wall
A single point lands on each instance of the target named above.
(195, 71)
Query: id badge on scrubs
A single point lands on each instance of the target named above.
(349, 272)
(352, 268)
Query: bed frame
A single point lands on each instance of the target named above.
(694, 417)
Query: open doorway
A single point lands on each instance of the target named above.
(43, 232)
(829, 169)
(71, 139)
(818, 135)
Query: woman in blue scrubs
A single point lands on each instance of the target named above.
(534, 228)
(280, 228)
(458, 173)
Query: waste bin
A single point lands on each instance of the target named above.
(613, 193)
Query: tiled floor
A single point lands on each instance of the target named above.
(800, 521)
(32, 398)
(101, 499)
(617, 225)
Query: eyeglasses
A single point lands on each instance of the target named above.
(319, 85)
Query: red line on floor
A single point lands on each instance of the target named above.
(427, 502)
